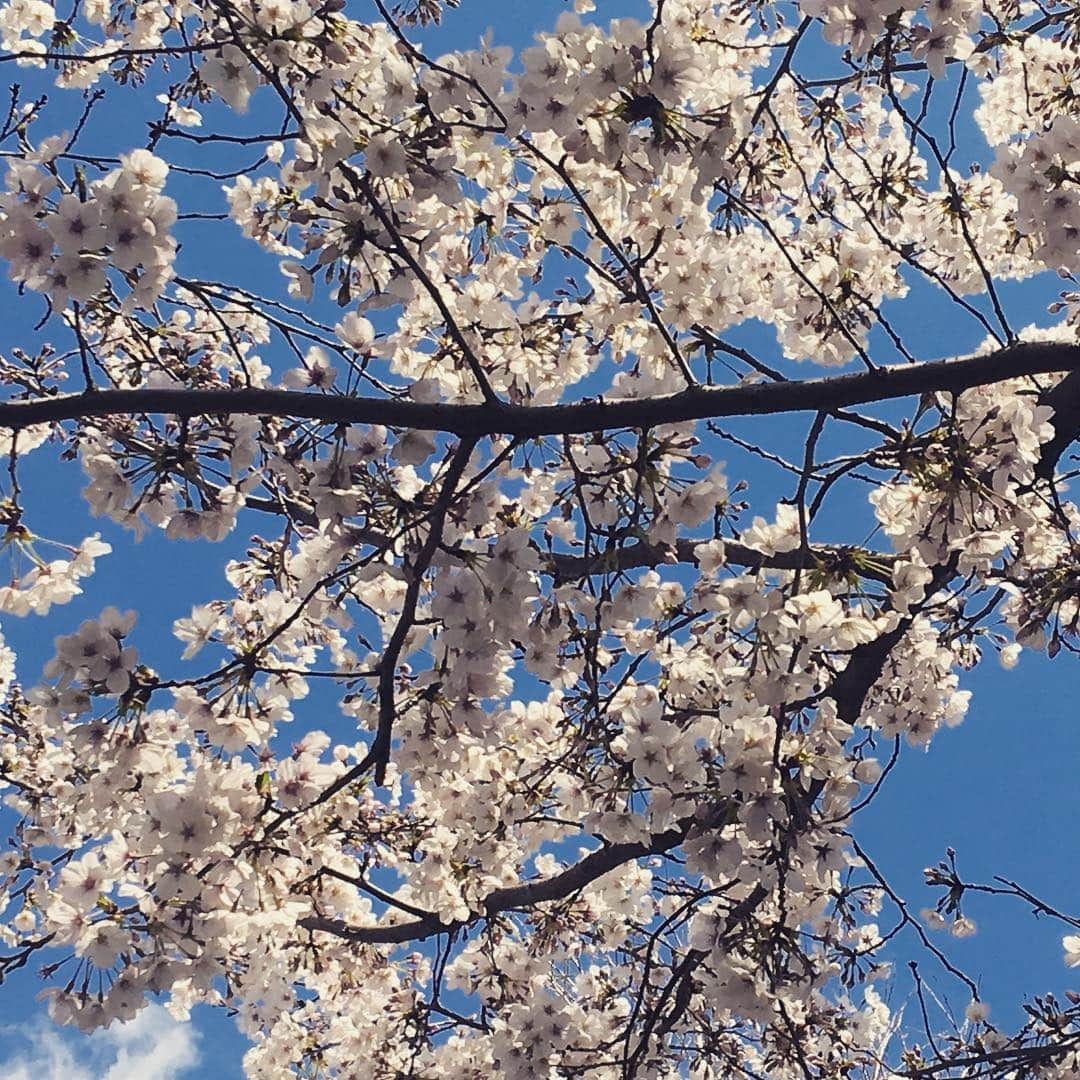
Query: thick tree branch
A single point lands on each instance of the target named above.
(514, 897)
(565, 567)
(876, 565)
(380, 748)
(1064, 399)
(528, 421)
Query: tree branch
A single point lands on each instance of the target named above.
(876, 565)
(1064, 399)
(530, 421)
(512, 897)
(380, 748)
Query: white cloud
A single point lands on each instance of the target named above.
(47, 1058)
(153, 1046)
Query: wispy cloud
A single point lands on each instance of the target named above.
(153, 1046)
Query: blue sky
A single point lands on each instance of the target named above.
(999, 789)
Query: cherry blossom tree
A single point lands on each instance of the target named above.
(614, 709)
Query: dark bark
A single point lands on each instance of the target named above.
(527, 421)
(521, 897)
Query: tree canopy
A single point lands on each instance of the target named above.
(527, 468)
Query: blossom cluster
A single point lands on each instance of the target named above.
(63, 242)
